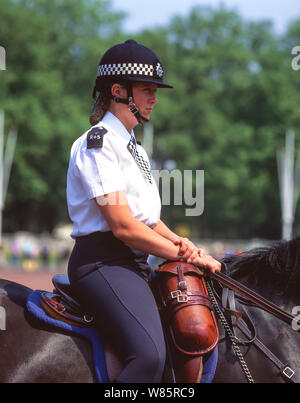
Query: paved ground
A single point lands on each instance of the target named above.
(38, 280)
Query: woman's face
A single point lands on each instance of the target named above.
(144, 95)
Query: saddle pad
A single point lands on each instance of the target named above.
(34, 307)
(91, 334)
(210, 362)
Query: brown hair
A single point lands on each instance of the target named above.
(101, 105)
(103, 101)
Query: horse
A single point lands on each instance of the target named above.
(33, 352)
(273, 271)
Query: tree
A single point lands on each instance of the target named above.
(235, 95)
(52, 49)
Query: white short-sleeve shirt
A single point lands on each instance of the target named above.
(94, 172)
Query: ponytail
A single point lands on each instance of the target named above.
(100, 107)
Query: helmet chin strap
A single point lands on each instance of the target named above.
(133, 109)
(132, 106)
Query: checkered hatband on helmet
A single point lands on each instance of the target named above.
(123, 69)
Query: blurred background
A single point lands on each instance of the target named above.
(234, 112)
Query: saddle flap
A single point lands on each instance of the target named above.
(62, 304)
(186, 309)
(192, 324)
(58, 309)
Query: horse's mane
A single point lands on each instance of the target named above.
(280, 259)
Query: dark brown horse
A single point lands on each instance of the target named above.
(273, 272)
(31, 351)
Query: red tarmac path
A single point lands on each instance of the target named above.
(37, 280)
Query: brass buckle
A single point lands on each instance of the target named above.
(288, 372)
(175, 294)
(182, 298)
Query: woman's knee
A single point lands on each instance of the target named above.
(151, 361)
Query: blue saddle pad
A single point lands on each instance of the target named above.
(34, 307)
(91, 334)
(210, 362)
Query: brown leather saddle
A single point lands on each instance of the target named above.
(61, 304)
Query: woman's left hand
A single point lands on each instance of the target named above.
(206, 262)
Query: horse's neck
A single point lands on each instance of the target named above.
(274, 291)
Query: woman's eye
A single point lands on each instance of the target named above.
(148, 90)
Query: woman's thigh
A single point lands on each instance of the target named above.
(123, 305)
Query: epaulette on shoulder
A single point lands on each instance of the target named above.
(95, 137)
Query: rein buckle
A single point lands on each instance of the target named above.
(288, 372)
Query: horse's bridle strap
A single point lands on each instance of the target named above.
(284, 369)
(252, 296)
(229, 306)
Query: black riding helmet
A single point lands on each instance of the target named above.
(127, 63)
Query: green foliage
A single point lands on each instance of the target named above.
(53, 48)
(235, 95)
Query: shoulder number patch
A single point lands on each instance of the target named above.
(95, 137)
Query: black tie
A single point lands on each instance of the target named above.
(142, 164)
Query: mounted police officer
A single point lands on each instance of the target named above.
(115, 206)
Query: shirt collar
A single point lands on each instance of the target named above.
(116, 126)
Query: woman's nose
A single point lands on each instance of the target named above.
(154, 99)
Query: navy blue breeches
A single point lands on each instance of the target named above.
(111, 282)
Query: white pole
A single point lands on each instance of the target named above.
(286, 182)
(148, 139)
(296, 183)
(8, 159)
(2, 58)
(1, 169)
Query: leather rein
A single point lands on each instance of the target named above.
(252, 296)
(232, 287)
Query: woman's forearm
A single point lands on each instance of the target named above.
(139, 236)
(164, 231)
(134, 232)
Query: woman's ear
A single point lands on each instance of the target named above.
(119, 91)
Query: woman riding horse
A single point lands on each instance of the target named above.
(115, 206)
